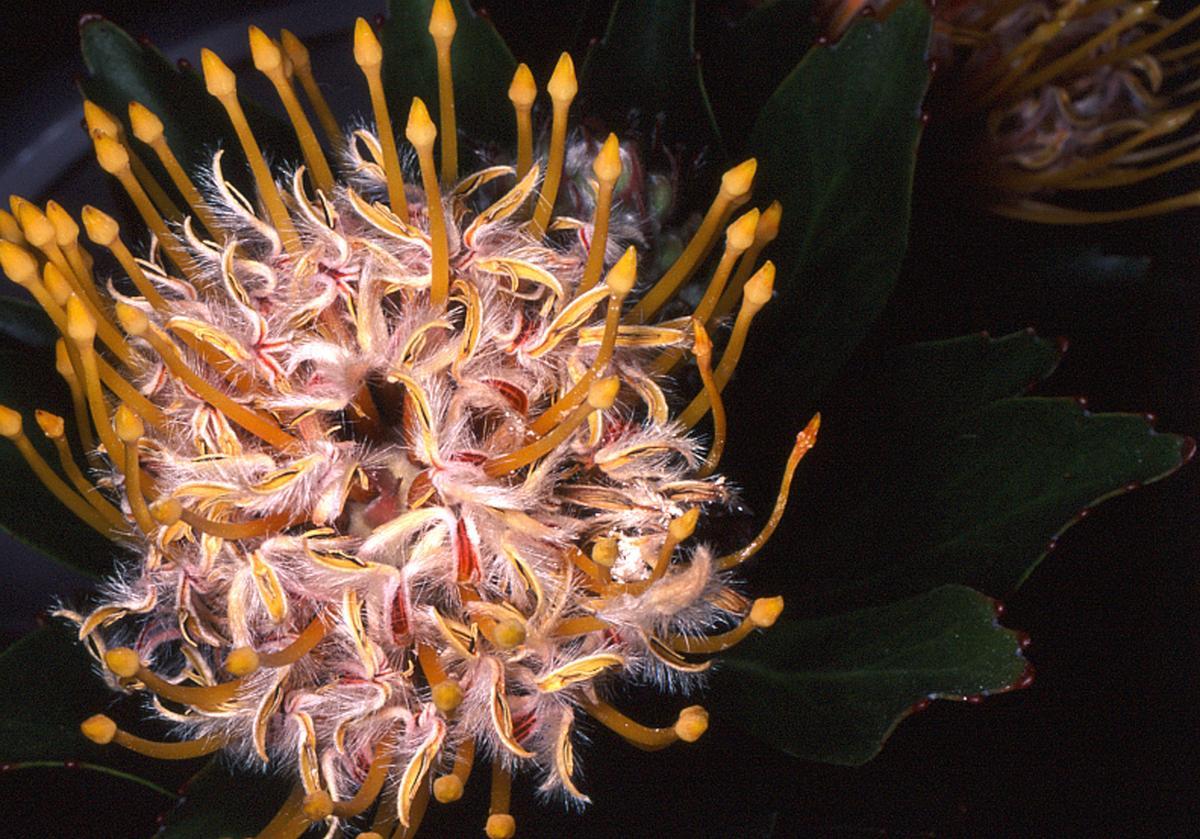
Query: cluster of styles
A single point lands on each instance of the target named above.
(1063, 96)
(392, 449)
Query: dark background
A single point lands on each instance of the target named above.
(1105, 740)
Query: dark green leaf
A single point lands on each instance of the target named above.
(47, 688)
(482, 64)
(978, 498)
(833, 689)
(122, 71)
(939, 380)
(23, 322)
(217, 802)
(646, 62)
(836, 145)
(745, 64)
(28, 380)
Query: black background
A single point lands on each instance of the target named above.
(1105, 740)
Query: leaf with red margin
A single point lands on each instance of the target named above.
(833, 689)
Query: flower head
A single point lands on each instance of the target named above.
(1068, 97)
(392, 448)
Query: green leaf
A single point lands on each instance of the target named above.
(482, 65)
(939, 380)
(121, 71)
(833, 689)
(836, 144)
(744, 65)
(646, 62)
(47, 688)
(980, 498)
(28, 380)
(24, 322)
(218, 802)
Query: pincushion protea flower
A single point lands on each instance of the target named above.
(1070, 97)
(395, 462)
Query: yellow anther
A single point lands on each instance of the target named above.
(10, 422)
(562, 88)
(509, 634)
(269, 60)
(219, 80)
(66, 231)
(127, 424)
(99, 121)
(522, 92)
(132, 320)
(38, 229)
(692, 723)
(222, 84)
(56, 284)
(736, 183)
(765, 611)
(18, 263)
(167, 511)
(447, 789)
(103, 230)
(735, 187)
(241, 661)
(317, 805)
(52, 425)
(605, 552)
(298, 58)
(99, 729)
(607, 164)
(266, 54)
(442, 23)
(739, 236)
(146, 126)
(10, 230)
(123, 661)
(760, 287)
(602, 394)
(80, 326)
(369, 56)
(447, 695)
(442, 26)
(368, 52)
(684, 526)
(563, 85)
(421, 132)
(500, 826)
